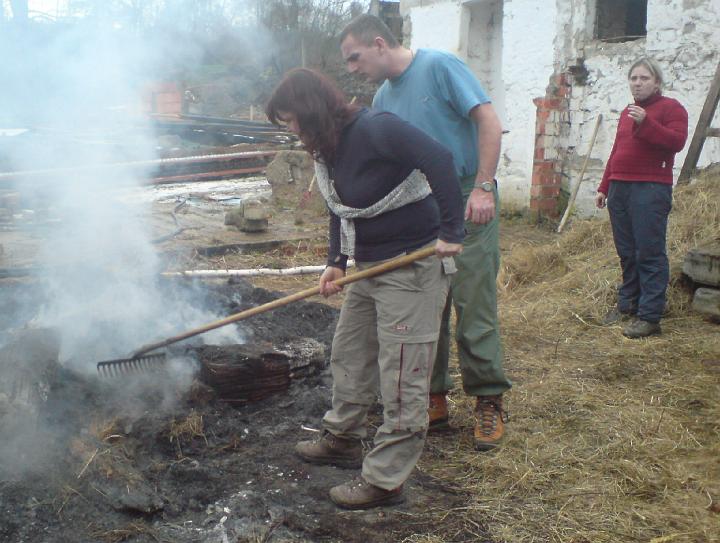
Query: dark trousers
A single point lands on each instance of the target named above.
(638, 215)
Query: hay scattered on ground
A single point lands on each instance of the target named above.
(610, 439)
(186, 430)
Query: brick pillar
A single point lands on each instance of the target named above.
(546, 178)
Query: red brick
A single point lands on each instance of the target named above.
(545, 191)
(542, 167)
(542, 115)
(550, 180)
(548, 103)
(544, 206)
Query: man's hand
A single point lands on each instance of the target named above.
(327, 287)
(480, 207)
(444, 248)
(636, 113)
(600, 200)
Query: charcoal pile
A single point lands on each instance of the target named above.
(202, 452)
(247, 373)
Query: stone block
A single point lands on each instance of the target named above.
(707, 302)
(249, 216)
(702, 264)
(290, 176)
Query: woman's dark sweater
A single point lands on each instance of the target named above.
(375, 153)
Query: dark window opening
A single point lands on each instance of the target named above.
(620, 20)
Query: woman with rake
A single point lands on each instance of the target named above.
(369, 169)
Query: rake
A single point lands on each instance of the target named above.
(144, 360)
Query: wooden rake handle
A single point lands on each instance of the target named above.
(364, 274)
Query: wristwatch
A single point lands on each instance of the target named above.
(487, 186)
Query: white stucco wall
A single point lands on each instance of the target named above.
(682, 36)
(541, 38)
(427, 20)
(528, 33)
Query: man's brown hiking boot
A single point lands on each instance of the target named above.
(490, 419)
(359, 494)
(438, 413)
(332, 450)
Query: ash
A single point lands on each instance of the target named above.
(163, 458)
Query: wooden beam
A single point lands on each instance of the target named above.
(706, 115)
(712, 133)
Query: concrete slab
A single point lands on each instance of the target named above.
(707, 302)
(702, 264)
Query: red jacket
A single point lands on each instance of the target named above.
(646, 152)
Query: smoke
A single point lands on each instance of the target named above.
(78, 88)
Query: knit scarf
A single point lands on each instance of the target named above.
(413, 189)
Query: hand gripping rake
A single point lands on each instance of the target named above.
(141, 361)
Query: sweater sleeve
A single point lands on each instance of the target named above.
(669, 133)
(395, 139)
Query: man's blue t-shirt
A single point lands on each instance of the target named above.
(436, 93)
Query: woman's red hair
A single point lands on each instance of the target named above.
(319, 107)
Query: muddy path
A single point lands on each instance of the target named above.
(140, 461)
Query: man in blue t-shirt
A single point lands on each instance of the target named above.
(436, 92)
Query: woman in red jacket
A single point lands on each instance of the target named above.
(637, 188)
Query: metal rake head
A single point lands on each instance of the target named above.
(128, 366)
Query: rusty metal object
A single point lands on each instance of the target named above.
(247, 373)
(205, 176)
(242, 377)
(166, 170)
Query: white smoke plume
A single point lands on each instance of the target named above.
(84, 83)
(77, 87)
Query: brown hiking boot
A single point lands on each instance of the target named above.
(359, 494)
(438, 413)
(332, 450)
(490, 419)
(640, 328)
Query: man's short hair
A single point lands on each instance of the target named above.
(365, 28)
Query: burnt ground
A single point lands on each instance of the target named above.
(129, 460)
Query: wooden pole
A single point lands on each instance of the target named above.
(575, 189)
(702, 130)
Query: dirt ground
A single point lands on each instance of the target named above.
(609, 440)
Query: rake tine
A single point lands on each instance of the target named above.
(131, 366)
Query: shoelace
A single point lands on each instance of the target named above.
(487, 415)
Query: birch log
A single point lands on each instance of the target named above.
(219, 274)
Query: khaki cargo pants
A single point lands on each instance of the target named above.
(387, 334)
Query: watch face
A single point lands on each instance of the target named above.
(486, 186)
